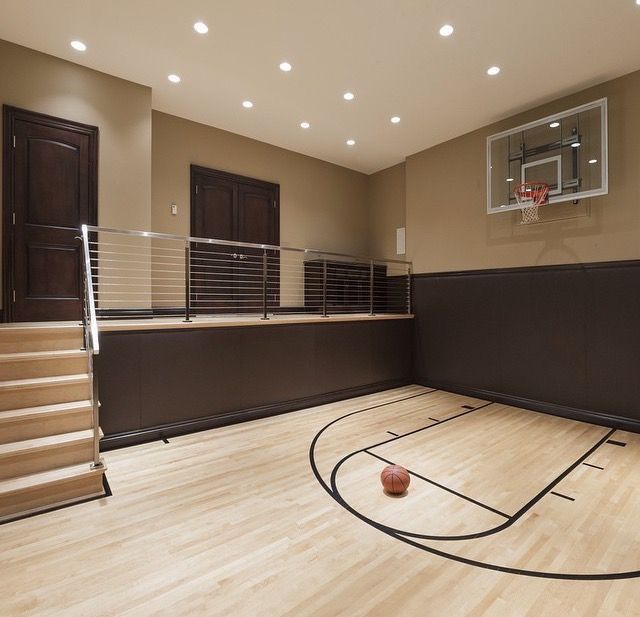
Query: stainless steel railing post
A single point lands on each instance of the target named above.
(324, 287)
(371, 287)
(409, 289)
(187, 281)
(265, 271)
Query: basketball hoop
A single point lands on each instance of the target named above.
(530, 196)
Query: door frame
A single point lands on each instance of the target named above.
(225, 175)
(10, 116)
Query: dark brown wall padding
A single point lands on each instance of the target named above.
(561, 339)
(155, 383)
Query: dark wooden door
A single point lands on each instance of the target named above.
(231, 207)
(214, 215)
(50, 191)
(257, 224)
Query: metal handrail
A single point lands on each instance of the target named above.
(272, 247)
(92, 345)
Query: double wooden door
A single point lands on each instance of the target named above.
(229, 278)
(50, 191)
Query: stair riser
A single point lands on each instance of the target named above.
(20, 429)
(51, 367)
(49, 495)
(32, 340)
(20, 398)
(29, 461)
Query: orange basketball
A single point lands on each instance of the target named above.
(395, 479)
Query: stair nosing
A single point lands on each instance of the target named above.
(53, 354)
(43, 382)
(9, 415)
(45, 478)
(38, 444)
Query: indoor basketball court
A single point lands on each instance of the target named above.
(320, 309)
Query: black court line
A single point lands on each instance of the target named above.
(444, 488)
(594, 466)
(561, 495)
(617, 443)
(404, 537)
(391, 433)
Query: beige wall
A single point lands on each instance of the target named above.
(447, 225)
(119, 108)
(386, 203)
(321, 205)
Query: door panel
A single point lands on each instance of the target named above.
(256, 225)
(52, 177)
(213, 286)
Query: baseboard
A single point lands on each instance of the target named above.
(572, 413)
(156, 433)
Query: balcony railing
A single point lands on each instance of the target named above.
(136, 273)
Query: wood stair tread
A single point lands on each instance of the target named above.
(44, 443)
(25, 356)
(33, 480)
(43, 382)
(44, 410)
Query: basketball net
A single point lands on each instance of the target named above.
(530, 196)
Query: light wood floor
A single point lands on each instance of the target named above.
(234, 522)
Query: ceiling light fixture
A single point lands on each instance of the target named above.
(174, 79)
(593, 161)
(200, 27)
(554, 125)
(576, 145)
(304, 125)
(285, 66)
(509, 179)
(78, 46)
(348, 96)
(446, 30)
(493, 70)
(395, 119)
(247, 104)
(351, 142)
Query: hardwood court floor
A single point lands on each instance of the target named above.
(233, 521)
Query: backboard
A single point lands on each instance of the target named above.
(568, 151)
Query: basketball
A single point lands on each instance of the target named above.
(395, 479)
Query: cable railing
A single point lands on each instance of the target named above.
(148, 274)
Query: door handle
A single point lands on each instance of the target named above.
(242, 256)
(235, 255)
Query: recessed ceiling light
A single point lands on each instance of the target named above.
(200, 27)
(174, 79)
(509, 179)
(247, 104)
(351, 142)
(493, 70)
(78, 46)
(285, 66)
(593, 161)
(395, 119)
(576, 145)
(348, 96)
(446, 30)
(304, 125)
(554, 125)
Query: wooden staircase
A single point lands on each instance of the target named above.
(46, 420)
